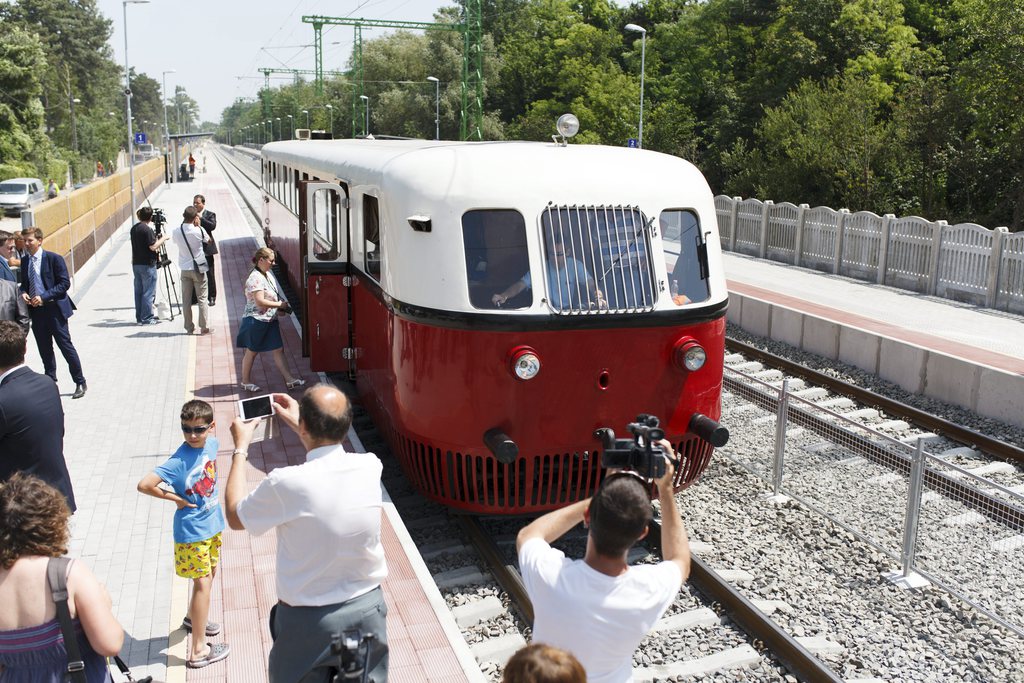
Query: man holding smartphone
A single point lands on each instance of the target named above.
(327, 513)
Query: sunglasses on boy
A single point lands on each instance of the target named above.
(194, 430)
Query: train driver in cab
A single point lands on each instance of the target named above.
(568, 282)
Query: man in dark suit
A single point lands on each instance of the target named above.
(31, 418)
(44, 286)
(6, 251)
(208, 222)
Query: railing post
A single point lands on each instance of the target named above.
(933, 278)
(883, 247)
(798, 240)
(762, 248)
(781, 420)
(837, 258)
(913, 508)
(994, 266)
(732, 222)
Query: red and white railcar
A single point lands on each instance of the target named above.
(496, 303)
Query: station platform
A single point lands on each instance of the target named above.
(958, 353)
(127, 423)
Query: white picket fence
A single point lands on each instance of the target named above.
(965, 262)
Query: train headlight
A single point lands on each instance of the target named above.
(525, 362)
(689, 355)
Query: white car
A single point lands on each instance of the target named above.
(145, 151)
(19, 194)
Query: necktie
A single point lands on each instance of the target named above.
(34, 280)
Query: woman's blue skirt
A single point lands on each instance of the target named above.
(259, 336)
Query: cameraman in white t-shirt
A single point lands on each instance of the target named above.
(600, 608)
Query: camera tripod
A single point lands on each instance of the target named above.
(170, 286)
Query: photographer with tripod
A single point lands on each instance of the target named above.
(600, 608)
(146, 249)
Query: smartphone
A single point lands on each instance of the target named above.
(256, 407)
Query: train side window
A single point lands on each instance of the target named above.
(686, 256)
(497, 259)
(295, 192)
(374, 259)
(325, 225)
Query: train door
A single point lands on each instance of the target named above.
(323, 221)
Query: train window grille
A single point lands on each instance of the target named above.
(686, 256)
(598, 259)
(373, 259)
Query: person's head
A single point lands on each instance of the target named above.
(325, 415)
(19, 241)
(199, 201)
(6, 244)
(540, 663)
(145, 214)
(196, 422)
(264, 259)
(33, 519)
(12, 344)
(189, 215)
(557, 250)
(33, 239)
(619, 514)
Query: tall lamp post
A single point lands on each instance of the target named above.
(280, 131)
(437, 106)
(128, 105)
(643, 49)
(291, 128)
(269, 131)
(366, 115)
(163, 95)
(306, 112)
(330, 109)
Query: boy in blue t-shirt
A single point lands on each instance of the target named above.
(191, 474)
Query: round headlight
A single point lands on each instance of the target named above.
(567, 125)
(689, 355)
(525, 363)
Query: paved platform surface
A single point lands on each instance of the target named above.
(995, 338)
(128, 423)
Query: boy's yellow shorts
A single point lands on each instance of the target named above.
(196, 560)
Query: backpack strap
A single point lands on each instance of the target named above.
(56, 576)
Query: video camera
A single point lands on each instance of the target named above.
(641, 454)
(159, 220)
(352, 648)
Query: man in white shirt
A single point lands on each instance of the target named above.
(330, 559)
(189, 239)
(600, 608)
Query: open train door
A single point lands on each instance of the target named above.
(323, 218)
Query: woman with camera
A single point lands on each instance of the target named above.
(260, 330)
(33, 535)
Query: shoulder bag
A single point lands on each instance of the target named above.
(198, 267)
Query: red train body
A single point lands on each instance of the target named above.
(404, 251)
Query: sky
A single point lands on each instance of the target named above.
(216, 46)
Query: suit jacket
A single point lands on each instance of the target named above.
(5, 271)
(208, 222)
(32, 430)
(54, 274)
(12, 306)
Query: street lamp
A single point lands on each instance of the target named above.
(291, 128)
(74, 125)
(437, 107)
(330, 108)
(643, 49)
(366, 115)
(280, 131)
(128, 105)
(163, 102)
(269, 130)
(306, 112)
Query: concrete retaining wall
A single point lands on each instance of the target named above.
(980, 388)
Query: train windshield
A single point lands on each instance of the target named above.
(497, 259)
(686, 256)
(598, 259)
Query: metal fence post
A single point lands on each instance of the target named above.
(798, 240)
(732, 222)
(995, 257)
(883, 247)
(837, 258)
(781, 419)
(913, 508)
(936, 261)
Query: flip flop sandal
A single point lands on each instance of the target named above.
(218, 652)
(212, 627)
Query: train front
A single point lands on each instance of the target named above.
(554, 292)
